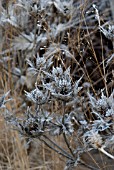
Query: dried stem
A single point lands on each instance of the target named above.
(64, 135)
(105, 152)
(63, 151)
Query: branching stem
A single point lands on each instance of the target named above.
(64, 135)
(62, 150)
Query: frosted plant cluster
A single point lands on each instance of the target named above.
(55, 82)
(42, 124)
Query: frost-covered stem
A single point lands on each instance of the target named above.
(64, 104)
(98, 116)
(63, 151)
(105, 152)
(7, 9)
(88, 166)
(37, 108)
(59, 152)
(68, 145)
(64, 135)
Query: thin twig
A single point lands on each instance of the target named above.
(106, 153)
(58, 147)
(59, 152)
(64, 135)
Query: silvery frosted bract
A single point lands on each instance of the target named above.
(23, 42)
(109, 143)
(56, 48)
(76, 86)
(45, 117)
(62, 80)
(62, 6)
(110, 101)
(3, 101)
(37, 96)
(100, 125)
(17, 71)
(105, 104)
(102, 103)
(93, 138)
(34, 125)
(17, 14)
(31, 126)
(57, 29)
(44, 3)
(92, 100)
(62, 124)
(56, 72)
(4, 18)
(110, 59)
(12, 120)
(108, 33)
(61, 85)
(67, 120)
(42, 63)
(27, 41)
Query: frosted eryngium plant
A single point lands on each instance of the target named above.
(42, 124)
(50, 25)
(61, 85)
(38, 96)
(107, 32)
(42, 63)
(104, 106)
(103, 110)
(3, 101)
